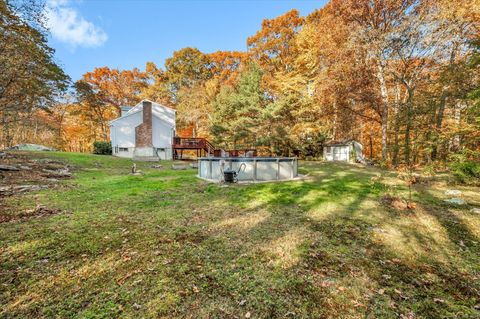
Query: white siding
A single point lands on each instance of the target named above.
(327, 153)
(162, 112)
(162, 138)
(166, 114)
(344, 152)
(359, 151)
(162, 134)
(122, 131)
(337, 153)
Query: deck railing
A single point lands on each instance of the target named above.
(186, 143)
(190, 142)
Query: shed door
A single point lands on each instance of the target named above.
(340, 153)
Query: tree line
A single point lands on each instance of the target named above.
(400, 76)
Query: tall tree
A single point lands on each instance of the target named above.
(226, 65)
(187, 67)
(237, 111)
(158, 88)
(459, 23)
(112, 87)
(273, 47)
(472, 119)
(29, 77)
(373, 23)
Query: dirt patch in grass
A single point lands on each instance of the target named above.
(37, 212)
(193, 237)
(396, 202)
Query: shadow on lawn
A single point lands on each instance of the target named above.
(311, 249)
(346, 269)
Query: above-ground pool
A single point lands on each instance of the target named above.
(253, 169)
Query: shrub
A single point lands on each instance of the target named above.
(102, 148)
(311, 146)
(465, 169)
(429, 169)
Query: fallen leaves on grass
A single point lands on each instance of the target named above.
(122, 280)
(326, 284)
(126, 256)
(37, 212)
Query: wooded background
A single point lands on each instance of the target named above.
(400, 76)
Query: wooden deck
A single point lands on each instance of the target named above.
(191, 143)
(204, 148)
(201, 145)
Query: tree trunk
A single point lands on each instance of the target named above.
(441, 106)
(396, 146)
(335, 120)
(384, 95)
(104, 133)
(455, 143)
(414, 148)
(408, 125)
(371, 147)
(7, 136)
(438, 123)
(35, 132)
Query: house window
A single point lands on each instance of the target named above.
(329, 149)
(123, 149)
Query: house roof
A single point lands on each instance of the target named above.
(160, 111)
(125, 108)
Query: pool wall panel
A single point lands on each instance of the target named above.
(252, 168)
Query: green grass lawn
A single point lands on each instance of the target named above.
(168, 245)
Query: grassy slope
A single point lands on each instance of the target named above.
(169, 245)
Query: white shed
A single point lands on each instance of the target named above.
(347, 151)
(144, 131)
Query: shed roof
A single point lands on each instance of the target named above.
(342, 142)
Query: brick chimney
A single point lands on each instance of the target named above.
(143, 132)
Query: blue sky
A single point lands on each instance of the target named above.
(127, 33)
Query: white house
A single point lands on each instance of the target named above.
(144, 132)
(347, 151)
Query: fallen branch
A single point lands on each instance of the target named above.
(61, 173)
(8, 168)
(11, 190)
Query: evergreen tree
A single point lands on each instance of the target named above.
(237, 111)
